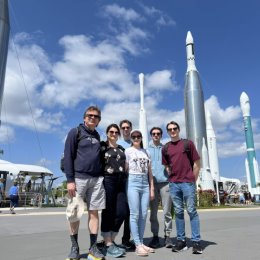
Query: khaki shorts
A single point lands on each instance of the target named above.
(92, 191)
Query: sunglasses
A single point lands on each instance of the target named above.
(125, 127)
(154, 134)
(93, 116)
(113, 132)
(136, 136)
(172, 129)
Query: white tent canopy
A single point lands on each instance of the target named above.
(24, 169)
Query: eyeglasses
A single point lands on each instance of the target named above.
(125, 127)
(136, 136)
(154, 134)
(172, 129)
(93, 116)
(113, 132)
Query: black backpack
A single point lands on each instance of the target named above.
(186, 149)
(62, 157)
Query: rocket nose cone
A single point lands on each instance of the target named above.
(244, 98)
(141, 76)
(189, 38)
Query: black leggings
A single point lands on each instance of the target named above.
(116, 204)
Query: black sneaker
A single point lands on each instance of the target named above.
(100, 244)
(180, 246)
(74, 253)
(155, 243)
(197, 248)
(128, 245)
(168, 242)
(95, 253)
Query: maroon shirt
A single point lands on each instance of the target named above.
(181, 169)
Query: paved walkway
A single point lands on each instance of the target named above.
(40, 234)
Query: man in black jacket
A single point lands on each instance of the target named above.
(83, 171)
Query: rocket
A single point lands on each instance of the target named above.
(213, 153)
(212, 148)
(142, 115)
(252, 170)
(194, 100)
(4, 39)
(206, 178)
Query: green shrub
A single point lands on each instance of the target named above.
(205, 198)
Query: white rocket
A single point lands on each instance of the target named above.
(252, 170)
(212, 148)
(142, 116)
(206, 181)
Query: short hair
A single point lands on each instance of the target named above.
(115, 126)
(92, 108)
(156, 128)
(172, 123)
(125, 121)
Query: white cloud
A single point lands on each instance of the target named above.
(228, 126)
(25, 75)
(122, 13)
(162, 19)
(6, 134)
(129, 40)
(160, 80)
(44, 162)
(222, 117)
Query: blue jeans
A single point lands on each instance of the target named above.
(138, 200)
(185, 193)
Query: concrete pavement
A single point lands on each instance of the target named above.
(42, 234)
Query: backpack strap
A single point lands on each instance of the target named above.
(186, 149)
(165, 151)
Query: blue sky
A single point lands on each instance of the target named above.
(77, 53)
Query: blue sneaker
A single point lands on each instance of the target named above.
(113, 251)
(120, 248)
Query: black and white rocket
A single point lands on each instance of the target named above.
(4, 40)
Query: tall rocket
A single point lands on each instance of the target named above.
(212, 148)
(206, 178)
(142, 116)
(194, 100)
(4, 39)
(251, 164)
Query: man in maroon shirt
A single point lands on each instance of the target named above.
(183, 164)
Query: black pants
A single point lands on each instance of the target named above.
(116, 204)
(126, 234)
(14, 200)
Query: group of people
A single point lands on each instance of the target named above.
(121, 178)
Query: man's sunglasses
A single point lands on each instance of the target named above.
(93, 116)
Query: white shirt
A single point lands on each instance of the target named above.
(138, 160)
